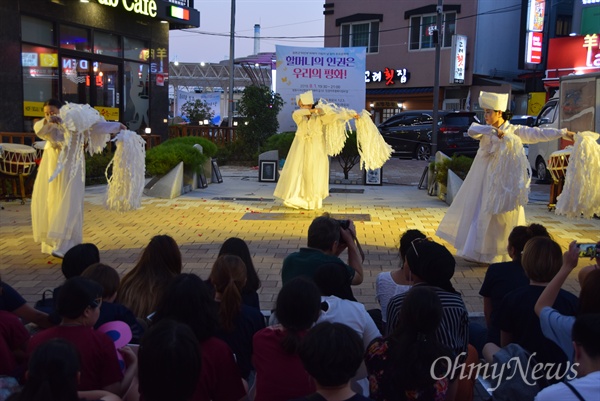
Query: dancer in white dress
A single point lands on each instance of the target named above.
(490, 201)
(58, 192)
(321, 133)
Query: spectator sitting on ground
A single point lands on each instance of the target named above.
(53, 375)
(556, 326)
(586, 332)
(238, 247)
(11, 301)
(78, 305)
(502, 278)
(142, 287)
(331, 354)
(587, 269)
(238, 322)
(170, 362)
(110, 311)
(542, 259)
(326, 241)
(187, 300)
(13, 345)
(395, 282)
(431, 264)
(279, 371)
(400, 365)
(334, 308)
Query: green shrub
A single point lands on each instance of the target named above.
(460, 165)
(163, 158)
(95, 167)
(280, 142)
(236, 153)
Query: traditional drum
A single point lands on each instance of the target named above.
(557, 164)
(39, 149)
(16, 159)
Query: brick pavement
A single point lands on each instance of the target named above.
(199, 224)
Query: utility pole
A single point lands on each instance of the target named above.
(436, 76)
(231, 66)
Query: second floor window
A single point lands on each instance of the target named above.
(362, 34)
(422, 29)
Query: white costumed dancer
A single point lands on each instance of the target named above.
(490, 201)
(321, 133)
(58, 192)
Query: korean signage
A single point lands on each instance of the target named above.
(458, 61)
(573, 54)
(391, 76)
(335, 74)
(534, 36)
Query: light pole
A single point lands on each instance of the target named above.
(231, 65)
(436, 77)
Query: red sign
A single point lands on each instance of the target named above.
(534, 47)
(160, 79)
(573, 54)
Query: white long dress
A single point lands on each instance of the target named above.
(57, 205)
(304, 180)
(497, 180)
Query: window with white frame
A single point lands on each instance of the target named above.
(363, 34)
(422, 29)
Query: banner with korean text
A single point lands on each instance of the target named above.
(336, 74)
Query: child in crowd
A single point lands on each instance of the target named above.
(13, 344)
(78, 305)
(279, 371)
(238, 247)
(170, 362)
(111, 311)
(331, 353)
(53, 375)
(238, 322)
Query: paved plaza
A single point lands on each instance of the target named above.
(242, 206)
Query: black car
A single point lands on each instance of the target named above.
(409, 133)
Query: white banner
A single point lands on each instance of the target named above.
(336, 74)
(212, 99)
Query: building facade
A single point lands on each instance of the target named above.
(111, 54)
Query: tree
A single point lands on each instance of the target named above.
(261, 106)
(349, 156)
(197, 110)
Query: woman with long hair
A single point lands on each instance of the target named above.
(238, 322)
(400, 365)
(142, 287)
(238, 247)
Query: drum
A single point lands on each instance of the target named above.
(16, 159)
(39, 149)
(557, 164)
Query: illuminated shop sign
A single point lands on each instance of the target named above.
(458, 61)
(573, 55)
(388, 75)
(180, 12)
(143, 7)
(535, 26)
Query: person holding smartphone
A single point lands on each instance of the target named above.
(587, 269)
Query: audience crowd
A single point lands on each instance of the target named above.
(177, 336)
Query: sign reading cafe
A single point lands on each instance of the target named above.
(143, 7)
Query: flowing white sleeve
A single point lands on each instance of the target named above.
(334, 120)
(476, 130)
(373, 149)
(126, 185)
(49, 132)
(581, 193)
(535, 134)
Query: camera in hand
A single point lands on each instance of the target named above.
(345, 224)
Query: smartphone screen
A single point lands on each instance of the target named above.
(587, 250)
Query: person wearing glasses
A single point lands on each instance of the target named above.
(491, 199)
(78, 305)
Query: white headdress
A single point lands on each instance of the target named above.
(305, 98)
(493, 101)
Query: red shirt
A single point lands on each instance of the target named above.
(220, 378)
(97, 356)
(279, 376)
(13, 336)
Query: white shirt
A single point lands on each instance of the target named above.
(386, 288)
(588, 386)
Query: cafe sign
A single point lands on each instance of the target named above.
(142, 7)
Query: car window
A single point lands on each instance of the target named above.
(548, 114)
(459, 119)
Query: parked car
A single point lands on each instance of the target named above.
(409, 133)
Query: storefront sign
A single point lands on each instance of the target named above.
(534, 47)
(33, 109)
(143, 7)
(573, 54)
(458, 61)
(109, 113)
(388, 75)
(535, 26)
(180, 12)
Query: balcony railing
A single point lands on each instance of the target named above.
(220, 136)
